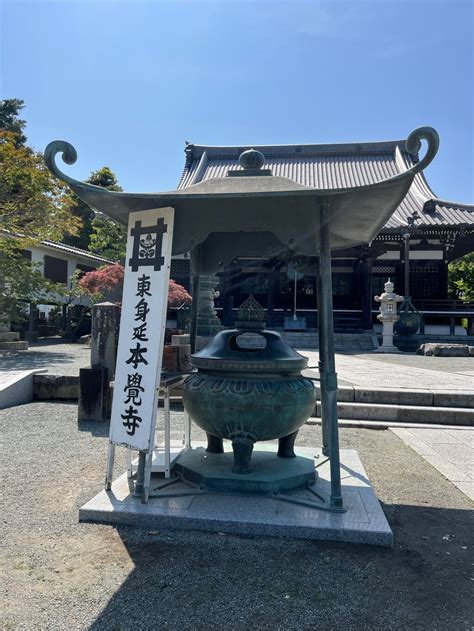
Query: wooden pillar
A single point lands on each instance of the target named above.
(273, 278)
(227, 301)
(366, 291)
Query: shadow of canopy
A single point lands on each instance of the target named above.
(192, 580)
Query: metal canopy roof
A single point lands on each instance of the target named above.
(271, 204)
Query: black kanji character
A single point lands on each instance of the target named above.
(141, 310)
(143, 286)
(139, 333)
(133, 389)
(131, 420)
(137, 356)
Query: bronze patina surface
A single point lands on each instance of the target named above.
(248, 393)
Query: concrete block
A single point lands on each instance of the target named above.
(442, 416)
(46, 387)
(454, 399)
(20, 345)
(393, 396)
(16, 387)
(9, 336)
(344, 393)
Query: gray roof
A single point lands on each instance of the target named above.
(329, 166)
(57, 245)
(76, 251)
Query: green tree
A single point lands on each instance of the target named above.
(93, 235)
(9, 111)
(461, 278)
(34, 206)
(108, 238)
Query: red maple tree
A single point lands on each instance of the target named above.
(109, 280)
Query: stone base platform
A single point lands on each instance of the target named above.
(269, 474)
(249, 514)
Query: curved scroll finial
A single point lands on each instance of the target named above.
(413, 146)
(69, 156)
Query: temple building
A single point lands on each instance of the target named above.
(440, 231)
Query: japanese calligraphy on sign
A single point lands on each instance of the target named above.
(142, 327)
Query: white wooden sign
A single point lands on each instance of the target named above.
(142, 328)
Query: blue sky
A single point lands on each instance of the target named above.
(128, 82)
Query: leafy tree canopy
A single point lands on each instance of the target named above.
(34, 206)
(94, 235)
(461, 278)
(9, 111)
(107, 282)
(108, 238)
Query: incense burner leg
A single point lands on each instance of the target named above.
(242, 446)
(286, 446)
(215, 445)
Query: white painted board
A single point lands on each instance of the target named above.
(142, 328)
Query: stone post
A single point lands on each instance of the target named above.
(94, 391)
(104, 338)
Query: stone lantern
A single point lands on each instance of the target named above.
(388, 316)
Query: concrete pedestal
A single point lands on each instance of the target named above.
(251, 514)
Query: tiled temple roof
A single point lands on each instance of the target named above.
(335, 166)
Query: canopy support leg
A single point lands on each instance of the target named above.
(329, 377)
(322, 364)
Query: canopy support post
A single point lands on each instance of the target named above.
(329, 376)
(322, 364)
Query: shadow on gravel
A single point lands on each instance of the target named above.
(28, 360)
(192, 580)
(94, 427)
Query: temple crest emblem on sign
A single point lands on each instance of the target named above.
(147, 244)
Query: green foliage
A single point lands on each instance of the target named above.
(461, 278)
(93, 235)
(9, 121)
(32, 202)
(21, 282)
(34, 206)
(108, 238)
(106, 178)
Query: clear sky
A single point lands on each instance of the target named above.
(127, 82)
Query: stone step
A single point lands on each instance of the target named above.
(387, 396)
(404, 413)
(9, 336)
(342, 341)
(14, 346)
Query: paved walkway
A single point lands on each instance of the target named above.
(451, 451)
(57, 357)
(411, 372)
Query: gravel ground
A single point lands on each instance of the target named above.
(59, 574)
